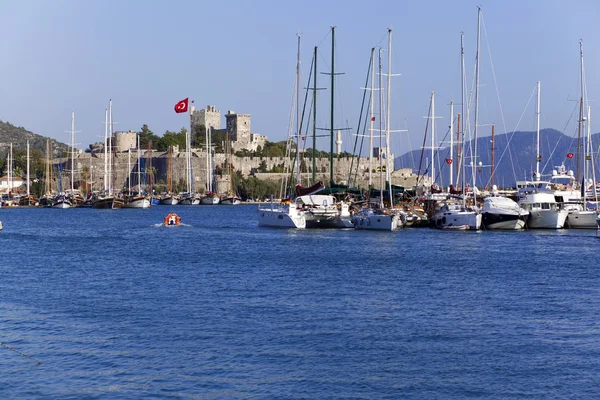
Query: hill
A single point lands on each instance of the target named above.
(18, 136)
(514, 157)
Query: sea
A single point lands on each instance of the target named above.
(110, 304)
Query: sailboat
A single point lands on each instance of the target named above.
(376, 216)
(61, 200)
(286, 214)
(189, 197)
(582, 214)
(137, 199)
(106, 199)
(454, 213)
(211, 198)
(537, 196)
(229, 198)
(29, 199)
(169, 198)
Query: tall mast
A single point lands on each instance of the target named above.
(72, 150)
(298, 113)
(190, 177)
(451, 139)
(129, 170)
(314, 141)
(48, 175)
(538, 159)
(105, 150)
(581, 108)
(110, 155)
(432, 137)
(591, 154)
(387, 118)
(493, 159)
(332, 105)
(476, 98)
(10, 170)
(462, 105)
(372, 119)
(28, 172)
(380, 134)
(139, 160)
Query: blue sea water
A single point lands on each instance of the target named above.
(115, 306)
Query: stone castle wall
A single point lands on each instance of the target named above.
(247, 165)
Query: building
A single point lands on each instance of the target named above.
(239, 131)
(206, 117)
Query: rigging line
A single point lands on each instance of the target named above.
(358, 125)
(324, 37)
(510, 137)
(558, 141)
(20, 353)
(497, 91)
(424, 143)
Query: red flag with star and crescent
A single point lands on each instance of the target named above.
(182, 106)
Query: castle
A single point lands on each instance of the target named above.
(237, 127)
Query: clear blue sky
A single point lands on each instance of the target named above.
(73, 55)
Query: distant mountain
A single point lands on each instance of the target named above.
(515, 155)
(18, 136)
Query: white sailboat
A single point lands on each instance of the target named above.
(107, 199)
(210, 198)
(286, 214)
(377, 217)
(536, 197)
(62, 200)
(583, 215)
(137, 199)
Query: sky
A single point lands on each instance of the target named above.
(74, 55)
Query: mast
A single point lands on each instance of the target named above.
(451, 138)
(314, 142)
(110, 155)
(591, 155)
(380, 134)
(105, 150)
(387, 118)
(207, 159)
(458, 153)
(170, 170)
(48, 174)
(298, 113)
(476, 99)
(539, 156)
(581, 108)
(129, 170)
(462, 105)
(72, 151)
(372, 119)
(493, 159)
(332, 105)
(139, 160)
(432, 137)
(10, 171)
(28, 202)
(190, 177)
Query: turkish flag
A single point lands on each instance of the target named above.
(448, 161)
(569, 155)
(372, 118)
(182, 106)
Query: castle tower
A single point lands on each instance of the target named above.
(207, 117)
(238, 129)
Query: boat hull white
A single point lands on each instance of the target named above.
(138, 203)
(376, 222)
(169, 201)
(281, 218)
(547, 219)
(209, 201)
(582, 219)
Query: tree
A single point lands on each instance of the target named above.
(262, 167)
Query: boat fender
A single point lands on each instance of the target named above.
(325, 202)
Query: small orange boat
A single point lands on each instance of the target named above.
(172, 220)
